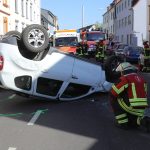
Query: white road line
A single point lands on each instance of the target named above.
(34, 118)
(92, 100)
(12, 148)
(12, 96)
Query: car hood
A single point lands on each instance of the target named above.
(67, 49)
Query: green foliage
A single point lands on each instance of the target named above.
(98, 25)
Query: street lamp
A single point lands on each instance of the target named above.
(82, 16)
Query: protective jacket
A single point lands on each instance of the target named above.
(135, 87)
(147, 53)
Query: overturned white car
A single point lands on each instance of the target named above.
(28, 66)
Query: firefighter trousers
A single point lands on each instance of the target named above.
(126, 115)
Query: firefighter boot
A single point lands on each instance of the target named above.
(145, 123)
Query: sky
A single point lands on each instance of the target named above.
(71, 12)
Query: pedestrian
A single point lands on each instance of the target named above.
(128, 98)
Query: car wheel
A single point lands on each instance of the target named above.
(110, 66)
(24, 52)
(16, 34)
(35, 38)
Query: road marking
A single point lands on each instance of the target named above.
(42, 110)
(35, 117)
(12, 148)
(12, 96)
(92, 100)
(8, 98)
(10, 115)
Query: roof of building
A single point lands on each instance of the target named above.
(134, 2)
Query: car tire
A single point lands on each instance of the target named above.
(16, 34)
(110, 66)
(35, 38)
(24, 52)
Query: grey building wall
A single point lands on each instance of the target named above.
(49, 21)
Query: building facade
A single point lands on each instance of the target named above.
(123, 21)
(131, 21)
(108, 20)
(141, 18)
(19, 14)
(49, 21)
(4, 16)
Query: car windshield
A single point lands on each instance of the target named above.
(135, 49)
(121, 46)
(95, 36)
(66, 41)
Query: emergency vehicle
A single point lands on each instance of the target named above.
(66, 40)
(90, 42)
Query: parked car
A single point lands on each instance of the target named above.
(110, 49)
(119, 50)
(90, 40)
(29, 67)
(132, 53)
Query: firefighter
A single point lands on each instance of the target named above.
(129, 98)
(141, 61)
(82, 46)
(100, 54)
(145, 44)
(79, 50)
(146, 56)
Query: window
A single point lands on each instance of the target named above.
(75, 90)
(22, 7)
(48, 87)
(122, 38)
(122, 6)
(113, 28)
(130, 38)
(5, 24)
(125, 21)
(125, 4)
(23, 82)
(119, 23)
(31, 11)
(16, 25)
(34, 16)
(122, 22)
(23, 26)
(129, 19)
(119, 8)
(16, 6)
(149, 14)
(5, 3)
(27, 16)
(128, 3)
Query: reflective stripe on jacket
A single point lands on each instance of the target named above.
(136, 89)
(147, 53)
(100, 52)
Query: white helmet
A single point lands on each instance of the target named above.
(125, 66)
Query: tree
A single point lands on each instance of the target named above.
(98, 26)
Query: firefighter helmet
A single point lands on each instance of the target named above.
(125, 66)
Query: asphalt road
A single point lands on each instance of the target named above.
(87, 124)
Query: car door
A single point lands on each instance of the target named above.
(55, 72)
(86, 77)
